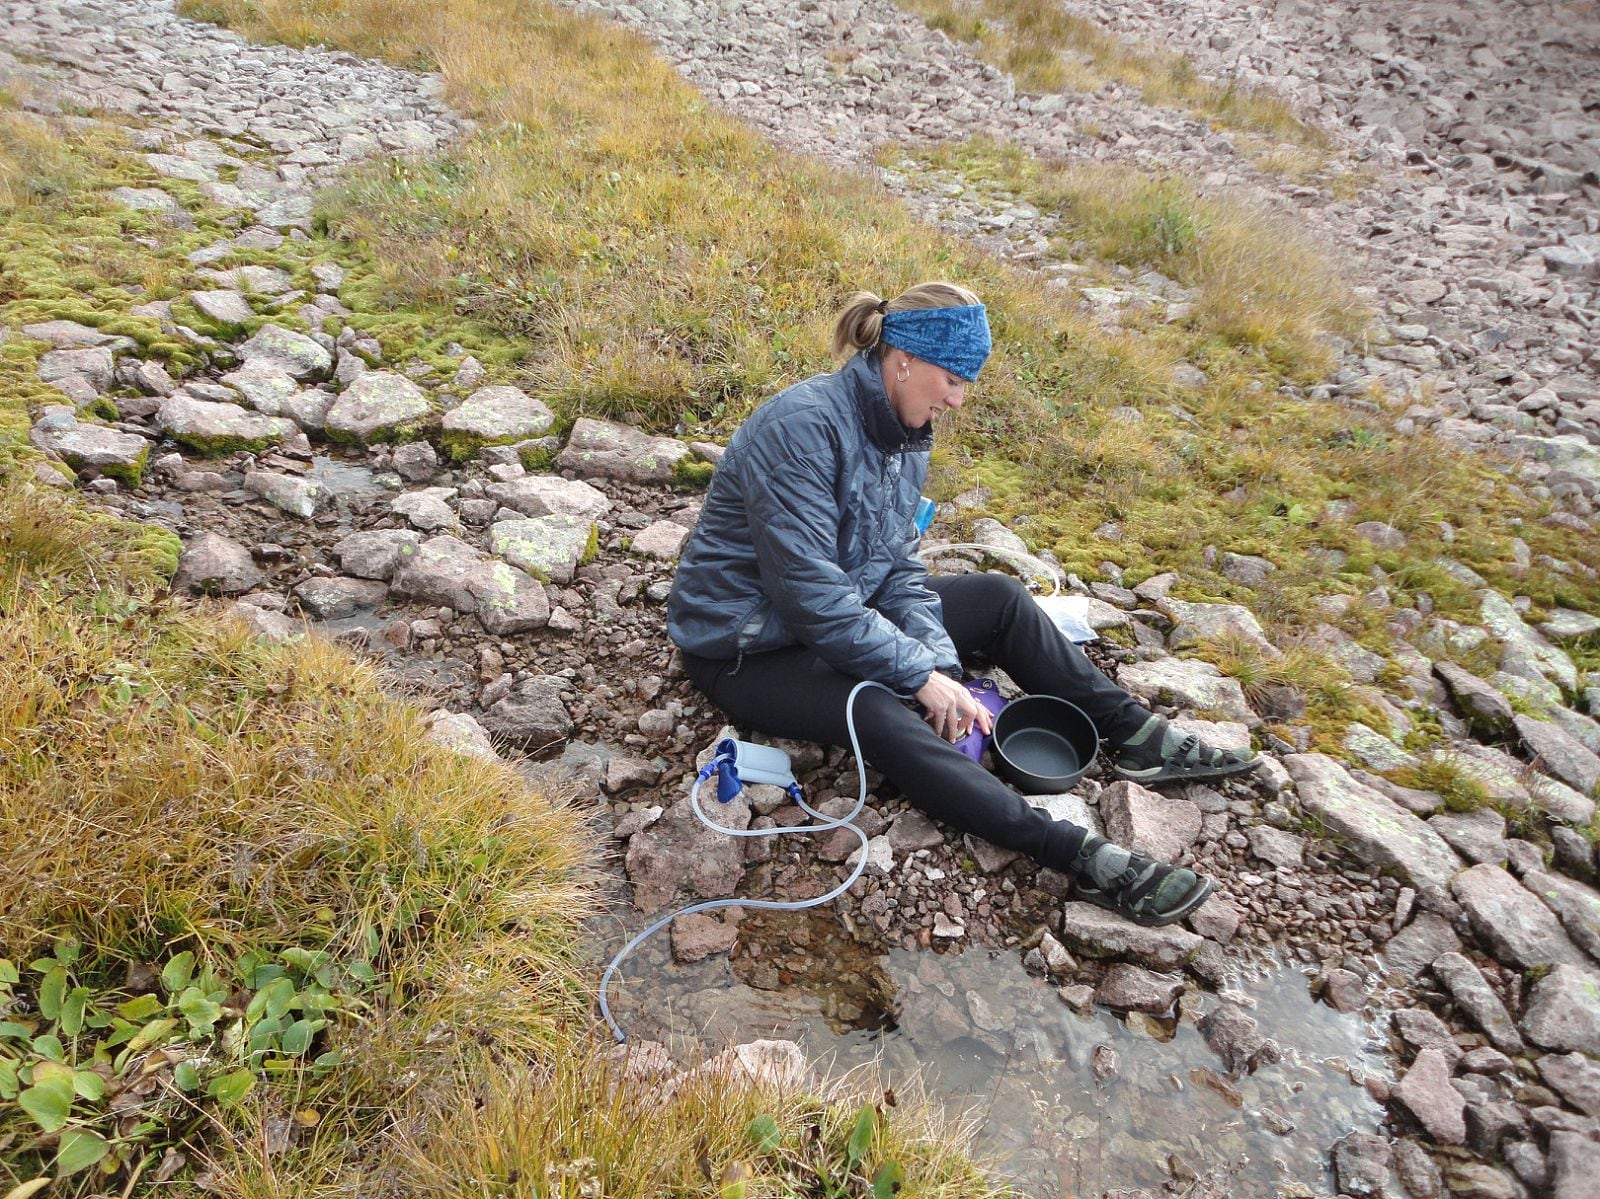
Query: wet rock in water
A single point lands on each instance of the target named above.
(1427, 1092)
(427, 510)
(375, 553)
(493, 416)
(1508, 918)
(289, 493)
(1361, 1163)
(1485, 708)
(336, 598)
(415, 462)
(1162, 826)
(780, 1065)
(1575, 905)
(1187, 683)
(1216, 920)
(1234, 1036)
(534, 716)
(1276, 847)
(1477, 999)
(1574, 1166)
(1193, 623)
(1344, 991)
(1377, 830)
(378, 406)
(1098, 933)
(550, 495)
(679, 854)
(663, 540)
(547, 547)
(445, 570)
(460, 732)
(293, 353)
(1575, 1077)
(1560, 754)
(1126, 988)
(600, 449)
(215, 565)
(1104, 1063)
(1477, 836)
(699, 935)
(1563, 1011)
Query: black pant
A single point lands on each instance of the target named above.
(992, 619)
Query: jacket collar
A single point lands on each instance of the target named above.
(864, 377)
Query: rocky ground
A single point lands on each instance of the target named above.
(527, 604)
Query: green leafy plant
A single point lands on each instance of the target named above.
(97, 1076)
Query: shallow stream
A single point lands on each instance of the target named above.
(988, 1039)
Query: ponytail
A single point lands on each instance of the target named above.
(860, 325)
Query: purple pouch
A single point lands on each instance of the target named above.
(987, 694)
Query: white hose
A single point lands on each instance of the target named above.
(827, 825)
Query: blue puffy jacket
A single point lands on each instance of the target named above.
(807, 537)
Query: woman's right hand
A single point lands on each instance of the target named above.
(950, 708)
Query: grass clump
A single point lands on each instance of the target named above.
(1048, 49)
(1455, 785)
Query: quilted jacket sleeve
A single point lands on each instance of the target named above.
(794, 524)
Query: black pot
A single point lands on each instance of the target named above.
(1044, 744)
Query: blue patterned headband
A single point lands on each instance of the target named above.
(956, 337)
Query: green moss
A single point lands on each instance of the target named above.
(692, 473)
(591, 547)
(101, 408)
(156, 549)
(223, 444)
(129, 476)
(462, 446)
(537, 459)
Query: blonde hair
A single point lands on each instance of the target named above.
(860, 325)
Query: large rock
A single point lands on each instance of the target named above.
(1527, 652)
(1575, 905)
(1475, 997)
(96, 365)
(1510, 920)
(1427, 1092)
(378, 406)
(1162, 826)
(336, 598)
(1187, 684)
(294, 494)
(1484, 707)
(265, 386)
(1559, 754)
(215, 429)
(1098, 933)
(1564, 1011)
(116, 455)
(680, 855)
(1236, 1038)
(1420, 943)
(1361, 1162)
(461, 733)
(493, 416)
(67, 335)
(225, 307)
(446, 570)
(547, 547)
(550, 495)
(533, 717)
(600, 449)
(1194, 623)
(1129, 988)
(1377, 830)
(427, 509)
(375, 553)
(1574, 1166)
(1478, 836)
(216, 565)
(1576, 1077)
(662, 540)
(293, 353)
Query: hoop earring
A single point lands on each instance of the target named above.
(903, 373)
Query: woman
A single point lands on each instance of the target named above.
(801, 579)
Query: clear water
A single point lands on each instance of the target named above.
(979, 1033)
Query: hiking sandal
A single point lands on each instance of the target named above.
(1189, 760)
(1148, 892)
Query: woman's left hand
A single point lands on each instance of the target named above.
(951, 709)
